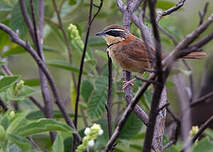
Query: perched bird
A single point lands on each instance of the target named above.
(129, 52)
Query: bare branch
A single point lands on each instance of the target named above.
(202, 99)
(203, 14)
(198, 134)
(171, 10)
(36, 103)
(172, 37)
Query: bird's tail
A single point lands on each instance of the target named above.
(195, 55)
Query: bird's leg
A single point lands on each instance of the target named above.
(126, 83)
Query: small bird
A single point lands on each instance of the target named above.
(129, 52)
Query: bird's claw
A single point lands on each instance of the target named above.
(127, 83)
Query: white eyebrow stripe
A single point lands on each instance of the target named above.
(114, 30)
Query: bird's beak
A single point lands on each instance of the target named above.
(100, 34)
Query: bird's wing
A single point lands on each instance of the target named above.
(136, 50)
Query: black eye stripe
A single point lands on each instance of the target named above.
(115, 33)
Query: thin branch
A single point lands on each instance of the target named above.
(14, 37)
(33, 143)
(48, 108)
(172, 37)
(36, 103)
(198, 134)
(202, 99)
(203, 14)
(109, 96)
(170, 10)
(160, 82)
(90, 20)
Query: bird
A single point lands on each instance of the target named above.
(130, 53)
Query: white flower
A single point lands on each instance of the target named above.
(86, 131)
(91, 143)
(101, 132)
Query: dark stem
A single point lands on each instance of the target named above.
(203, 14)
(109, 96)
(202, 99)
(158, 86)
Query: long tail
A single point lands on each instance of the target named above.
(193, 55)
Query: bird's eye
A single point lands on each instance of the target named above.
(115, 33)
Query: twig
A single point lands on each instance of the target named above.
(198, 134)
(33, 143)
(172, 37)
(90, 20)
(48, 108)
(203, 14)
(109, 96)
(170, 10)
(36, 103)
(201, 99)
(3, 105)
(14, 37)
(159, 86)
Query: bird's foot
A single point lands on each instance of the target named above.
(150, 70)
(127, 83)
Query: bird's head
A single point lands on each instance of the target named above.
(113, 34)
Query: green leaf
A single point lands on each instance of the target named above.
(63, 65)
(204, 145)
(34, 115)
(22, 143)
(7, 81)
(86, 90)
(58, 144)
(16, 123)
(32, 82)
(164, 4)
(43, 125)
(96, 105)
(22, 93)
(131, 127)
(72, 2)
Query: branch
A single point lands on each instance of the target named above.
(198, 134)
(201, 99)
(160, 82)
(171, 10)
(203, 14)
(14, 37)
(109, 96)
(90, 20)
(36, 103)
